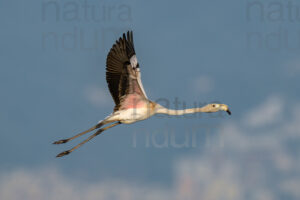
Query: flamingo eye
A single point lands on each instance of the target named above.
(213, 105)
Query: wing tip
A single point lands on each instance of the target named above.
(129, 43)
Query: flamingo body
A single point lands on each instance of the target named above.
(123, 77)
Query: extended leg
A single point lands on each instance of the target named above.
(80, 134)
(88, 139)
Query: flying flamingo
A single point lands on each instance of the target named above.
(123, 77)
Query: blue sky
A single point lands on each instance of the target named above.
(242, 53)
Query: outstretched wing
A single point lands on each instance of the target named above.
(122, 70)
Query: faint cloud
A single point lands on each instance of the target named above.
(251, 164)
(97, 96)
(247, 166)
(202, 178)
(203, 84)
(292, 187)
(266, 113)
(50, 184)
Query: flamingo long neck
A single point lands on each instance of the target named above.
(163, 110)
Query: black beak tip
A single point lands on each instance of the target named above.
(228, 111)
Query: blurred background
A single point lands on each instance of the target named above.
(241, 53)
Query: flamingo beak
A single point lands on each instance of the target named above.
(228, 111)
(225, 108)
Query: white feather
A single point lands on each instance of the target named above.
(133, 61)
